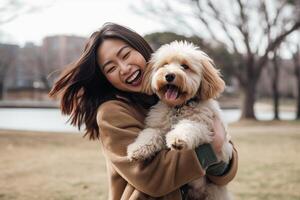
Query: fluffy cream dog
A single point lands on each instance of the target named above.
(186, 82)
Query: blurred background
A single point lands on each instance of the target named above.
(255, 44)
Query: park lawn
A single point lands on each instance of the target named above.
(59, 166)
(269, 164)
(50, 166)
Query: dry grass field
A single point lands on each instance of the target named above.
(59, 166)
(269, 164)
(50, 166)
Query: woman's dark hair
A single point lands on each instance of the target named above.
(83, 87)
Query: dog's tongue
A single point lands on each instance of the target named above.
(171, 93)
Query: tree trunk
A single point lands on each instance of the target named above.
(298, 98)
(275, 87)
(249, 100)
(296, 59)
(1, 90)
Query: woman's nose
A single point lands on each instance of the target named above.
(124, 68)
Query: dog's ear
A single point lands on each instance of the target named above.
(211, 84)
(146, 84)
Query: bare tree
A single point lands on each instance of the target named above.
(275, 80)
(251, 30)
(12, 9)
(296, 59)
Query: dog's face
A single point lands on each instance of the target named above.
(179, 71)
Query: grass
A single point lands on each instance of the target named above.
(58, 166)
(54, 166)
(269, 165)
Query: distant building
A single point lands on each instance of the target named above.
(61, 50)
(24, 77)
(8, 57)
(29, 74)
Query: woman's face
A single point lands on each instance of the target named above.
(122, 65)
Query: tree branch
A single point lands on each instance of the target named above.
(272, 45)
(243, 28)
(270, 23)
(278, 12)
(162, 14)
(223, 26)
(205, 22)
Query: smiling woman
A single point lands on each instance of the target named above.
(110, 67)
(122, 65)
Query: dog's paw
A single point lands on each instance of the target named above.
(175, 142)
(135, 153)
(178, 144)
(206, 137)
(226, 153)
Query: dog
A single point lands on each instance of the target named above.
(186, 82)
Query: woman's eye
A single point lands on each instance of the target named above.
(126, 55)
(185, 66)
(111, 69)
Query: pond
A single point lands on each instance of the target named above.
(42, 119)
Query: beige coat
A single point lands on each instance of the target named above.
(160, 178)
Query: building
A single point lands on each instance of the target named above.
(59, 51)
(8, 58)
(30, 75)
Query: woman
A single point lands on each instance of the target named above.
(102, 90)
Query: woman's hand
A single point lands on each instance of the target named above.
(219, 135)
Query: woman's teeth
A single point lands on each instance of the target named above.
(133, 77)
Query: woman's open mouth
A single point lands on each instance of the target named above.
(135, 78)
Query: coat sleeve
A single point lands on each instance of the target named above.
(230, 174)
(166, 172)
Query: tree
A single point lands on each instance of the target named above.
(296, 60)
(251, 30)
(12, 9)
(275, 80)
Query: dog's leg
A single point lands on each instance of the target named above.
(188, 134)
(148, 142)
(197, 189)
(215, 192)
(226, 153)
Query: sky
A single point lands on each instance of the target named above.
(81, 18)
(73, 17)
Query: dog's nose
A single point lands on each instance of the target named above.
(170, 77)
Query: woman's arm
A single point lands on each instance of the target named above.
(232, 166)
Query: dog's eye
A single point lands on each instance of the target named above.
(185, 66)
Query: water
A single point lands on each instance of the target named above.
(36, 119)
(40, 119)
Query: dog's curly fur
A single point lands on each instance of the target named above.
(186, 82)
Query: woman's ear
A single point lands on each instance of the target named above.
(211, 84)
(146, 83)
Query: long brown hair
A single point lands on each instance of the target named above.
(82, 87)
